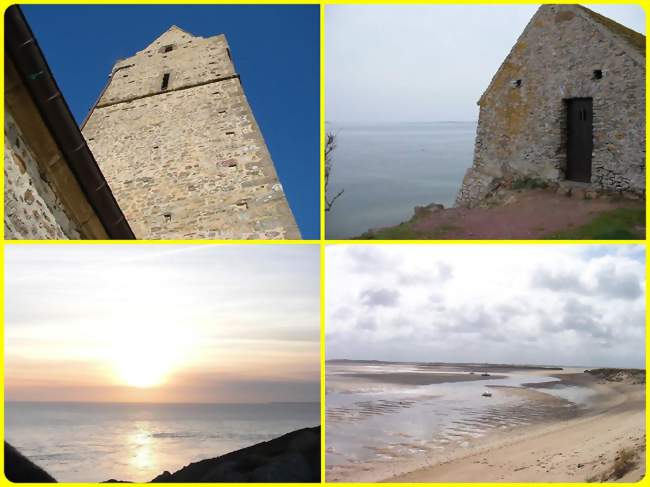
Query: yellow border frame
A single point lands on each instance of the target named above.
(321, 241)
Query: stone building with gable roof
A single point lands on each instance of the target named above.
(567, 105)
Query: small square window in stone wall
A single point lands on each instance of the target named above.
(598, 74)
(227, 163)
(165, 81)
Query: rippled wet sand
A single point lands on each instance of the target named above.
(369, 421)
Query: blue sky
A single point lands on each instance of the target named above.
(275, 49)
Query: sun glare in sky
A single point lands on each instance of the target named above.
(172, 324)
(144, 356)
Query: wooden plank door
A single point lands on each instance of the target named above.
(580, 139)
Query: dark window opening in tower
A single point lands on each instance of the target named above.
(168, 217)
(598, 74)
(168, 48)
(165, 81)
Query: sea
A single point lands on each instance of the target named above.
(94, 442)
(370, 423)
(387, 169)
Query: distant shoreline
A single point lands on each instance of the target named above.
(481, 364)
(398, 123)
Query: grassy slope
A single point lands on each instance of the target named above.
(618, 224)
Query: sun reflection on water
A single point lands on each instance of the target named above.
(141, 443)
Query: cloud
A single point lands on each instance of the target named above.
(559, 280)
(616, 282)
(559, 305)
(440, 273)
(227, 307)
(606, 278)
(380, 297)
(370, 260)
(581, 318)
(366, 323)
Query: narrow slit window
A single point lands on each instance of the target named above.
(168, 48)
(165, 81)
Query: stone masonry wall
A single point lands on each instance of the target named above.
(188, 161)
(32, 210)
(522, 130)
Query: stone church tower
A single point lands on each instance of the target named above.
(174, 135)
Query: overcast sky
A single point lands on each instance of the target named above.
(387, 63)
(222, 323)
(524, 304)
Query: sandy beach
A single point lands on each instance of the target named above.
(575, 447)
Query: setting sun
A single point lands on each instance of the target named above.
(146, 370)
(144, 355)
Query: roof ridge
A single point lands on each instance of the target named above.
(174, 26)
(633, 38)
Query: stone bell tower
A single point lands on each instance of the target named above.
(176, 139)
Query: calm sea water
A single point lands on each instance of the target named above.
(370, 422)
(91, 442)
(388, 169)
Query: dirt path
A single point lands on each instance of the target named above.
(532, 214)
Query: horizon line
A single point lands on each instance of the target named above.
(160, 402)
(479, 363)
(398, 121)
